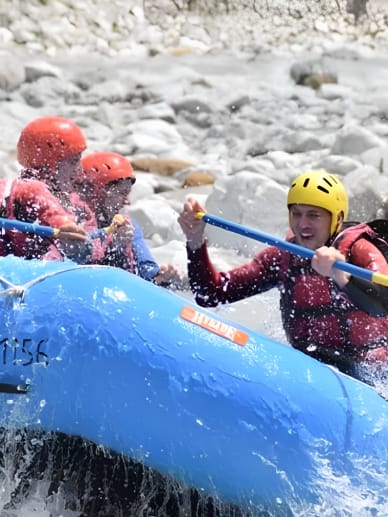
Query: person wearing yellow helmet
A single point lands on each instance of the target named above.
(326, 313)
(321, 189)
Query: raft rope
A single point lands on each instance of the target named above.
(19, 291)
(6, 282)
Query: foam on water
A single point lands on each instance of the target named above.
(53, 475)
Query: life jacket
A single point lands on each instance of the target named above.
(374, 231)
(81, 211)
(31, 201)
(134, 257)
(5, 189)
(109, 254)
(318, 318)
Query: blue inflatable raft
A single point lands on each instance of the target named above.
(100, 353)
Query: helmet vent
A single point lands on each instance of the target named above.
(323, 189)
(104, 167)
(306, 182)
(328, 182)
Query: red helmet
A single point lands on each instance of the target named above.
(46, 141)
(102, 168)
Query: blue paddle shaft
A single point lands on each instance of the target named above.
(22, 226)
(283, 244)
(47, 231)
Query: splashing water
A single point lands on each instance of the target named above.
(52, 474)
(55, 475)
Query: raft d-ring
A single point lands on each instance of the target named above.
(16, 290)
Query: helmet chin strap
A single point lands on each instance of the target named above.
(340, 220)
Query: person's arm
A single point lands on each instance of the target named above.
(31, 201)
(212, 287)
(165, 275)
(369, 296)
(366, 295)
(146, 265)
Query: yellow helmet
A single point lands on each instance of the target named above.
(322, 189)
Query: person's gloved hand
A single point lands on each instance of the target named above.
(170, 276)
(69, 232)
(122, 231)
(74, 242)
(377, 356)
(323, 261)
(192, 227)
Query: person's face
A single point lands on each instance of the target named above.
(310, 225)
(68, 171)
(116, 195)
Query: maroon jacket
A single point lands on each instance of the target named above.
(317, 316)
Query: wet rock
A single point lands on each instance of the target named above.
(353, 139)
(37, 69)
(12, 72)
(162, 166)
(197, 178)
(312, 73)
(315, 81)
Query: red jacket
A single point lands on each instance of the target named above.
(85, 217)
(31, 201)
(4, 186)
(317, 316)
